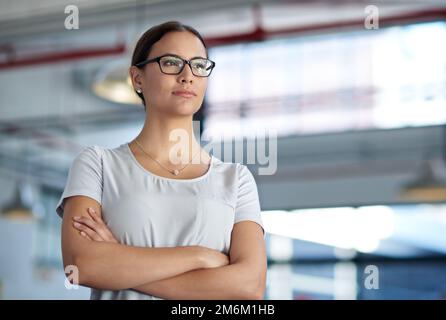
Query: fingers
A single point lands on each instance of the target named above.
(94, 215)
(106, 233)
(86, 235)
(97, 227)
(89, 233)
(97, 224)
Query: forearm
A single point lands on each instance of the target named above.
(114, 266)
(234, 281)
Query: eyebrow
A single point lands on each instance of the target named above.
(176, 55)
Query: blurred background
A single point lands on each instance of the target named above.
(355, 90)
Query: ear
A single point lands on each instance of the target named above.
(135, 76)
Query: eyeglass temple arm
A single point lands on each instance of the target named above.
(143, 63)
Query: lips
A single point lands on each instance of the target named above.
(184, 93)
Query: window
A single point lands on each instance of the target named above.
(388, 78)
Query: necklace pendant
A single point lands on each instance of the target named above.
(176, 172)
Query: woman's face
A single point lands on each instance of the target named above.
(159, 88)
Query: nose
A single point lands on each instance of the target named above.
(186, 75)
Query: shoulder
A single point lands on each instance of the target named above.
(230, 180)
(244, 173)
(97, 156)
(95, 152)
(233, 173)
(92, 151)
(87, 159)
(228, 169)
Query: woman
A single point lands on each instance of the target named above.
(138, 225)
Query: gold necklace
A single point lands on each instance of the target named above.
(175, 172)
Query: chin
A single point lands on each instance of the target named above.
(184, 110)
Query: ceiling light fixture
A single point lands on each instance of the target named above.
(113, 83)
(426, 187)
(17, 209)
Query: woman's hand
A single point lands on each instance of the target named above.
(94, 229)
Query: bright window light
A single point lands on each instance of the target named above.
(348, 228)
(390, 78)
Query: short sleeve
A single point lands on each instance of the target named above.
(248, 205)
(84, 177)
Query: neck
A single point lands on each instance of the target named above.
(164, 135)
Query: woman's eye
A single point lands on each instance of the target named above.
(199, 66)
(168, 63)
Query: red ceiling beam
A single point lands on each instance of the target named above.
(63, 56)
(260, 34)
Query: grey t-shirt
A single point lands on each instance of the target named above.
(145, 210)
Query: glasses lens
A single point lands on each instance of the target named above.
(201, 67)
(171, 65)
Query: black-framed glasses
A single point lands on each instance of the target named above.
(173, 64)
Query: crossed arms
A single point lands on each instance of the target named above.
(189, 272)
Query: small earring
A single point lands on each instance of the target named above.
(139, 90)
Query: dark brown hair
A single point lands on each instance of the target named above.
(154, 34)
